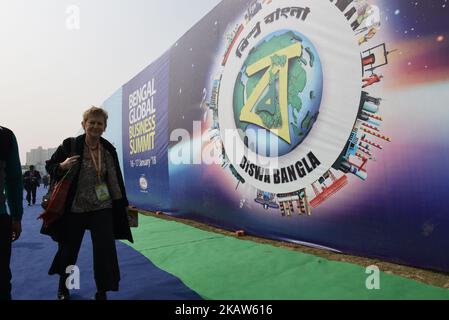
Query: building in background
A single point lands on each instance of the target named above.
(37, 157)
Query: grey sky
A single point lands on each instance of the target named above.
(50, 74)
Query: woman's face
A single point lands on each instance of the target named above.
(94, 126)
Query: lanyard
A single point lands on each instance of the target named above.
(97, 166)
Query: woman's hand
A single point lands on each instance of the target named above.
(68, 163)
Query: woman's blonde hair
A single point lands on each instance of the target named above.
(95, 111)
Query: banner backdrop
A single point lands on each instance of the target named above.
(315, 122)
(145, 136)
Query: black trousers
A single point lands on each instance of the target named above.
(31, 194)
(5, 257)
(100, 224)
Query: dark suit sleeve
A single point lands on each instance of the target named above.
(121, 222)
(124, 200)
(26, 179)
(14, 187)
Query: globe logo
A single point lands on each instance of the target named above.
(277, 93)
(143, 183)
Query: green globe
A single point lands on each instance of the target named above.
(277, 94)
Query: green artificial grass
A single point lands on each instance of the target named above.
(219, 267)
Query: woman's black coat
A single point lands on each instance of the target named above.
(75, 146)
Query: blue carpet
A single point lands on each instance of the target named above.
(33, 253)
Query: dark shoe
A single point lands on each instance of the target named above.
(101, 295)
(63, 294)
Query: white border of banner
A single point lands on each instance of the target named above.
(339, 53)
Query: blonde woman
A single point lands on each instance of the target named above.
(96, 201)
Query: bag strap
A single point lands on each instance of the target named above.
(73, 146)
(69, 174)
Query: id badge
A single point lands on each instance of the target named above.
(102, 192)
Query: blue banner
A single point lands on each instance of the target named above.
(145, 136)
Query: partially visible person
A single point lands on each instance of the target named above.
(45, 181)
(11, 196)
(96, 201)
(31, 181)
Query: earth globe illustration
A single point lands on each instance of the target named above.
(278, 90)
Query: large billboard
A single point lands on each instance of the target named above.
(300, 120)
